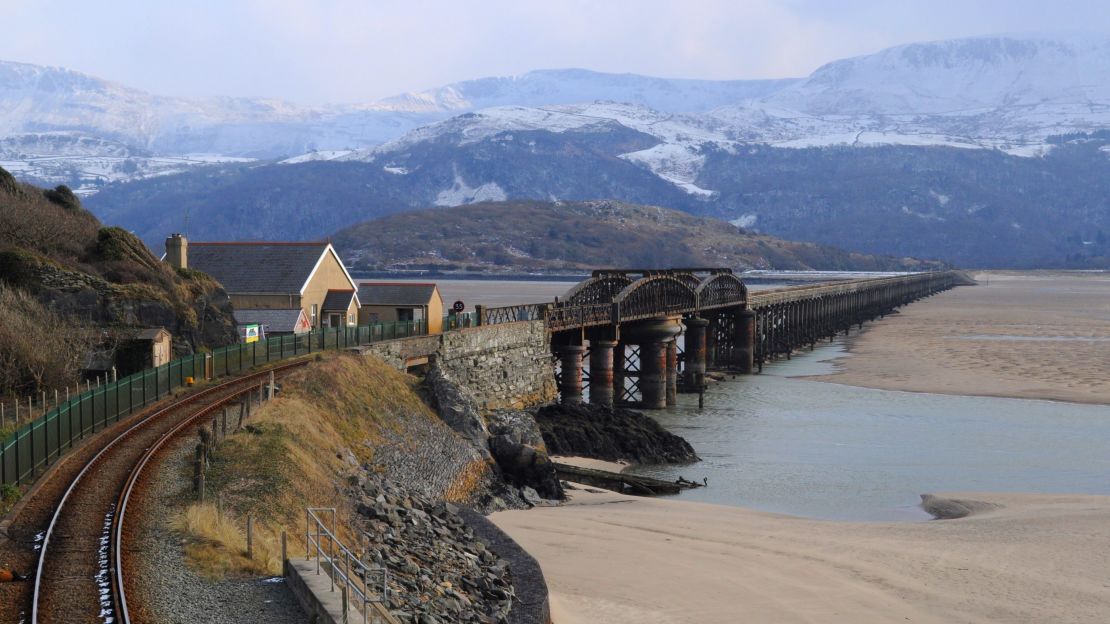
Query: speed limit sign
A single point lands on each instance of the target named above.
(458, 306)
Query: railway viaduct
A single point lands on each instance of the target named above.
(617, 333)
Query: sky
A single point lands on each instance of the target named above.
(347, 51)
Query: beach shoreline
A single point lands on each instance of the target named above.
(1041, 336)
(608, 557)
(995, 557)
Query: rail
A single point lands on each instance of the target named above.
(116, 588)
(335, 560)
(41, 442)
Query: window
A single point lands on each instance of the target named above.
(313, 320)
(350, 319)
(404, 314)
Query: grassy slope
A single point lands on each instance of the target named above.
(296, 452)
(532, 235)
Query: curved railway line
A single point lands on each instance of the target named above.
(80, 572)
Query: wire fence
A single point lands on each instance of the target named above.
(38, 443)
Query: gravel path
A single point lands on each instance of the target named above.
(169, 590)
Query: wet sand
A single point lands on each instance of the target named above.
(614, 558)
(1012, 558)
(1022, 335)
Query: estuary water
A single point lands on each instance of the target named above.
(807, 448)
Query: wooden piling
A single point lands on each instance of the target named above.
(250, 537)
(198, 472)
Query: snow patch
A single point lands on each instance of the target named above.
(460, 193)
(746, 221)
(315, 155)
(675, 163)
(395, 170)
(941, 198)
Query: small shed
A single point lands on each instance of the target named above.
(383, 302)
(145, 348)
(273, 322)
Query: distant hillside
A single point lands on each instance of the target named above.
(973, 208)
(557, 236)
(70, 287)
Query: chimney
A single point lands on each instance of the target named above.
(177, 251)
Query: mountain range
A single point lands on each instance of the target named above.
(985, 151)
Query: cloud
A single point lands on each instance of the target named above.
(360, 50)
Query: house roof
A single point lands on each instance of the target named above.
(395, 293)
(153, 333)
(274, 321)
(260, 268)
(338, 300)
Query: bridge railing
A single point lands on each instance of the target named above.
(512, 314)
(359, 583)
(42, 441)
(567, 317)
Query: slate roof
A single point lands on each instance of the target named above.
(258, 268)
(338, 300)
(272, 321)
(151, 333)
(395, 293)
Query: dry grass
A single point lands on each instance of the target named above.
(293, 453)
(468, 481)
(217, 545)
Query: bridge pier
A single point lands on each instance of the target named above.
(601, 371)
(696, 352)
(672, 372)
(658, 360)
(570, 380)
(743, 348)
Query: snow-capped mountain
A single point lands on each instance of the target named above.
(1004, 93)
(577, 86)
(1007, 93)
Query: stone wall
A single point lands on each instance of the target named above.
(508, 365)
(501, 366)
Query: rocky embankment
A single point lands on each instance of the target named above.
(609, 433)
(440, 571)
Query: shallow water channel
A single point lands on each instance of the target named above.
(807, 448)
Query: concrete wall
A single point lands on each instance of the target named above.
(505, 365)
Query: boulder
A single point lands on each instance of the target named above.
(611, 434)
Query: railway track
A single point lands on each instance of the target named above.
(80, 573)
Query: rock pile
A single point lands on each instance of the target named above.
(517, 444)
(609, 433)
(440, 571)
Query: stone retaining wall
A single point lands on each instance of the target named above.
(508, 365)
(532, 604)
(502, 366)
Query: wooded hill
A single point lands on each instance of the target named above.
(70, 286)
(519, 236)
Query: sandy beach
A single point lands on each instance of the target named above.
(1032, 335)
(614, 558)
(1018, 558)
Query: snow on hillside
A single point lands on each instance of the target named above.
(577, 86)
(1004, 93)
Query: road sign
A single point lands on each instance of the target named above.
(458, 306)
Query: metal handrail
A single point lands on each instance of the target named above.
(336, 560)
